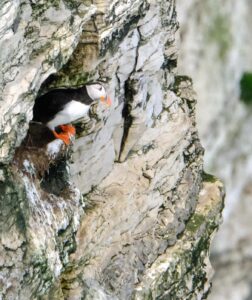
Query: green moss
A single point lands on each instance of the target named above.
(13, 205)
(20, 221)
(39, 269)
(195, 222)
(179, 81)
(40, 7)
(73, 4)
(208, 177)
(66, 244)
(197, 259)
(61, 79)
(56, 179)
(246, 88)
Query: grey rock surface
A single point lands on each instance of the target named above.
(126, 212)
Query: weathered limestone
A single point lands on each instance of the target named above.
(176, 261)
(36, 39)
(126, 212)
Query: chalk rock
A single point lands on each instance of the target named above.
(125, 211)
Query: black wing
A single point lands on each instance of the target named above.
(48, 105)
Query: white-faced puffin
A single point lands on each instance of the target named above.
(60, 107)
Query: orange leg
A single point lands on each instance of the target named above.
(62, 136)
(68, 129)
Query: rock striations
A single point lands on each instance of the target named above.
(126, 212)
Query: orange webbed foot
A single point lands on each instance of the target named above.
(68, 129)
(62, 136)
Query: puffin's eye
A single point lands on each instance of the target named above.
(100, 88)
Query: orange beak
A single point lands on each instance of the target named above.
(107, 101)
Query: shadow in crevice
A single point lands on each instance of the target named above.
(34, 160)
(56, 179)
(126, 113)
(38, 136)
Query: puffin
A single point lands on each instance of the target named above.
(61, 107)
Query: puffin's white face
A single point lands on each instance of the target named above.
(96, 91)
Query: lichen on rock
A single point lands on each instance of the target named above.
(122, 211)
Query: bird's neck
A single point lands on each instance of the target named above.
(85, 96)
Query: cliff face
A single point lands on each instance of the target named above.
(216, 50)
(126, 212)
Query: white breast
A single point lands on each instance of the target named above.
(74, 110)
